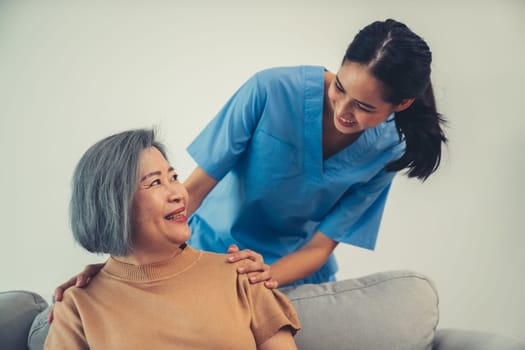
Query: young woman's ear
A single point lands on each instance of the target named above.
(404, 104)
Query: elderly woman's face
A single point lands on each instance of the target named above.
(159, 206)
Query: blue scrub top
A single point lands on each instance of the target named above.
(275, 191)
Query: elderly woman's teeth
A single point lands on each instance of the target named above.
(171, 216)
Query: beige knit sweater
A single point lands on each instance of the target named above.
(195, 300)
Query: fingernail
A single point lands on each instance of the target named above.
(253, 279)
(240, 270)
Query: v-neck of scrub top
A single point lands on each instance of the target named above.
(314, 164)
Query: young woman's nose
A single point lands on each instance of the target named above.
(344, 107)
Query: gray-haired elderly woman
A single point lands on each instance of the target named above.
(154, 291)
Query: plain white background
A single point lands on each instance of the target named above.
(73, 72)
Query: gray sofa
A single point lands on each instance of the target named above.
(383, 311)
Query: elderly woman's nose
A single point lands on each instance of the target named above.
(175, 193)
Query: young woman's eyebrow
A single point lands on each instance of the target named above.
(339, 83)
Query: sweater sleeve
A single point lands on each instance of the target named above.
(66, 331)
(270, 310)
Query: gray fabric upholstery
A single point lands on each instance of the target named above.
(38, 332)
(459, 339)
(387, 310)
(17, 311)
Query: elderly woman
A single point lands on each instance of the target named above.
(155, 292)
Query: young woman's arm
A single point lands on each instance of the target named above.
(290, 268)
(302, 263)
(198, 184)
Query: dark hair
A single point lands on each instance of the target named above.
(401, 60)
(104, 184)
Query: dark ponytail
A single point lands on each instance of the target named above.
(401, 61)
(420, 126)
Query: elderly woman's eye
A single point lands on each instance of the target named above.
(155, 182)
(174, 177)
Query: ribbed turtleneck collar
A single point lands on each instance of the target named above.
(155, 271)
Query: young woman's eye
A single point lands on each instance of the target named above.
(363, 108)
(174, 177)
(339, 87)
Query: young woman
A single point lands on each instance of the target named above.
(301, 159)
(155, 292)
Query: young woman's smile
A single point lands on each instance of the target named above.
(356, 99)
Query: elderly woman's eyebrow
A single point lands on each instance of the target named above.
(153, 173)
(156, 173)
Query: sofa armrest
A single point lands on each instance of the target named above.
(460, 339)
(17, 311)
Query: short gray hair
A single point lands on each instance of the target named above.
(104, 184)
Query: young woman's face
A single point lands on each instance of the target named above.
(356, 100)
(159, 218)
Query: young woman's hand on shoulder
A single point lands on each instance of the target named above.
(257, 269)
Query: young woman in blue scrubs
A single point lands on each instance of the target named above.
(301, 159)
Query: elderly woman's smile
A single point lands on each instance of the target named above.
(159, 219)
(177, 215)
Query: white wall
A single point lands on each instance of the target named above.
(73, 72)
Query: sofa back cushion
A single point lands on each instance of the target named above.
(394, 310)
(39, 329)
(383, 311)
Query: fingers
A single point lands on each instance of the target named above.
(264, 275)
(83, 278)
(58, 294)
(92, 270)
(50, 316)
(245, 254)
(59, 291)
(258, 271)
(80, 280)
(271, 284)
(232, 249)
(255, 266)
